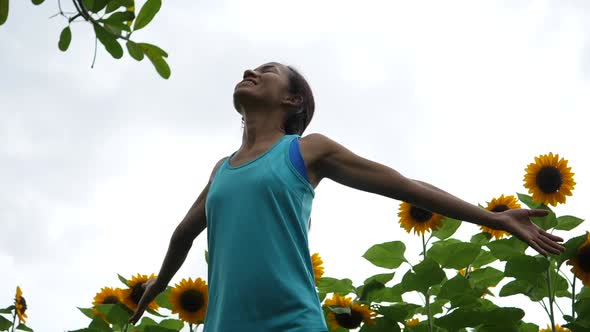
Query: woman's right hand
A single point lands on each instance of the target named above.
(151, 290)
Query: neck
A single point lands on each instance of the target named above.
(262, 127)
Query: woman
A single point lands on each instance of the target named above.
(257, 203)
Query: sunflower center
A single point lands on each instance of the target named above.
(137, 292)
(549, 179)
(110, 300)
(192, 300)
(584, 258)
(349, 321)
(23, 304)
(419, 214)
(500, 208)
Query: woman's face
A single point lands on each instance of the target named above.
(266, 85)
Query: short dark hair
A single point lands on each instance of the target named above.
(297, 121)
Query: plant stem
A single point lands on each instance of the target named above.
(13, 319)
(551, 315)
(427, 295)
(573, 298)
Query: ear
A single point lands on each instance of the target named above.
(293, 101)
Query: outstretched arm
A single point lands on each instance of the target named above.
(337, 163)
(180, 243)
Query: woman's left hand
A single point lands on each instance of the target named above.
(518, 223)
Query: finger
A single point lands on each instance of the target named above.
(547, 246)
(537, 248)
(538, 213)
(551, 236)
(557, 248)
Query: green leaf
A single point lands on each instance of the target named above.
(149, 9)
(583, 293)
(123, 280)
(382, 324)
(436, 307)
(206, 252)
(459, 292)
(582, 308)
(156, 56)
(5, 324)
(481, 238)
(387, 294)
(449, 227)
(97, 5)
(117, 21)
(471, 317)
(371, 287)
(37, 2)
(109, 41)
(99, 324)
(158, 329)
(88, 312)
(454, 254)
(115, 313)
(427, 273)
(528, 327)
(526, 267)
(571, 247)
(174, 324)
(154, 49)
(155, 313)
(116, 27)
(23, 327)
(398, 312)
(506, 248)
(65, 38)
(486, 277)
(546, 222)
(382, 278)
(7, 310)
(376, 292)
(332, 285)
(388, 255)
(116, 4)
(145, 321)
(516, 287)
(163, 299)
(567, 223)
(4, 5)
(485, 257)
(119, 17)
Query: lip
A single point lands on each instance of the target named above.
(249, 80)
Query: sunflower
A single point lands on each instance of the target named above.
(189, 300)
(549, 179)
(412, 322)
(107, 295)
(499, 205)
(358, 313)
(318, 269)
(132, 295)
(581, 262)
(557, 329)
(419, 219)
(20, 305)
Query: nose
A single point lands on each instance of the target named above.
(250, 73)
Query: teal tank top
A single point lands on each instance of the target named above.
(260, 272)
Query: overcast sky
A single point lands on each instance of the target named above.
(97, 166)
